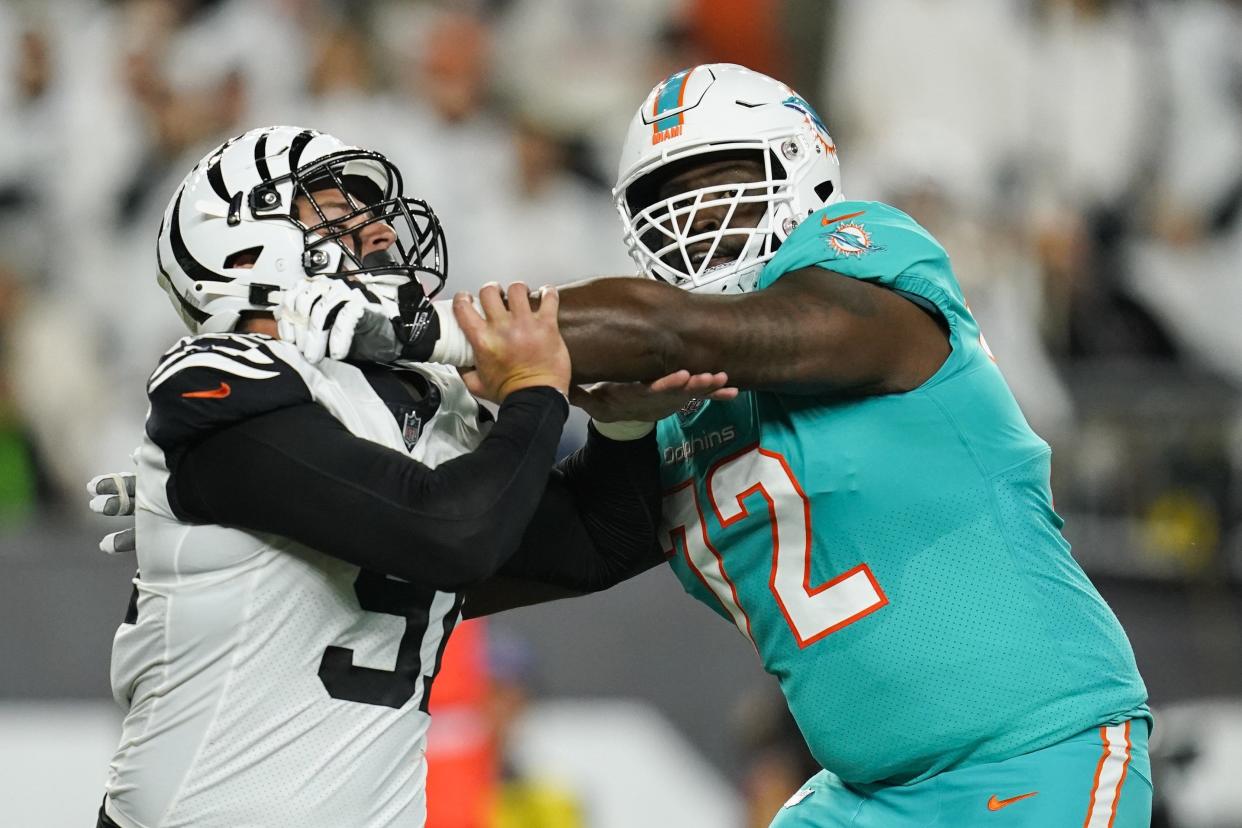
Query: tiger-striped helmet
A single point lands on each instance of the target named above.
(231, 239)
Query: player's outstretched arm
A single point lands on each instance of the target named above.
(595, 527)
(813, 331)
(297, 472)
(598, 522)
(247, 447)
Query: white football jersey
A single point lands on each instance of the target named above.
(264, 683)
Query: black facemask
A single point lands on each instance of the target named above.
(419, 251)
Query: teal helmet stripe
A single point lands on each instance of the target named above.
(671, 96)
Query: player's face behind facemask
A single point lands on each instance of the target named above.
(383, 239)
(704, 211)
(337, 211)
(346, 215)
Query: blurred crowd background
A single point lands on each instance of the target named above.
(1081, 160)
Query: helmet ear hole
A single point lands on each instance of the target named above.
(824, 190)
(243, 258)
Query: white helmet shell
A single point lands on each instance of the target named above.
(723, 108)
(240, 198)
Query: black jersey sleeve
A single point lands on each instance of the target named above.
(595, 526)
(209, 382)
(298, 472)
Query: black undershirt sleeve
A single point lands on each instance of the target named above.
(298, 472)
(596, 526)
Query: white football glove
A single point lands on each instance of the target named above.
(320, 316)
(324, 316)
(113, 495)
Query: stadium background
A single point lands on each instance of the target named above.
(1080, 159)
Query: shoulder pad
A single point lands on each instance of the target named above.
(206, 383)
(875, 243)
(864, 239)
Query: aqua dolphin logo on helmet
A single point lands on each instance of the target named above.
(799, 104)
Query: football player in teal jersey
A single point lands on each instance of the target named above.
(872, 512)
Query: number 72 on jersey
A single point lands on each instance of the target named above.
(757, 484)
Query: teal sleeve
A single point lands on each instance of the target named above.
(877, 243)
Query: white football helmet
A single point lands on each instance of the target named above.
(237, 207)
(706, 110)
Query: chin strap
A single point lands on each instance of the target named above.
(452, 347)
(254, 292)
(426, 333)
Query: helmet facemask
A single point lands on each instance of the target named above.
(372, 189)
(730, 247)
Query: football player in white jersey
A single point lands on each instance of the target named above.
(305, 532)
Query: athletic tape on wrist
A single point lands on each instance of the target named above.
(452, 348)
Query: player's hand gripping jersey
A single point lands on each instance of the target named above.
(896, 560)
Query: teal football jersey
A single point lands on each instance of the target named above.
(896, 560)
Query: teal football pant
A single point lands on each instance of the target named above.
(1097, 779)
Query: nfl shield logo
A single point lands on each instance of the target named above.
(411, 427)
